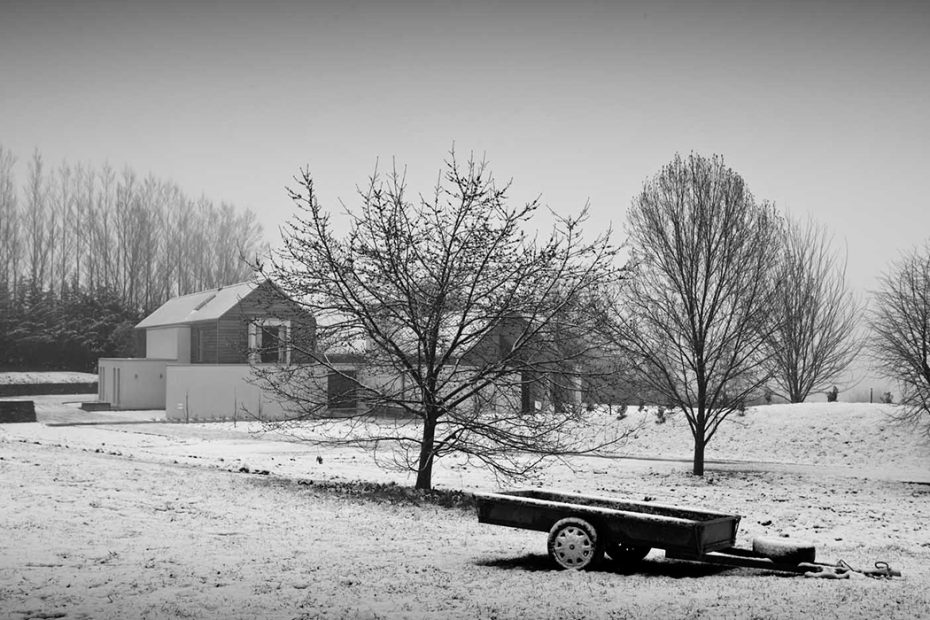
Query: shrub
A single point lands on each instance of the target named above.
(832, 394)
(621, 411)
(887, 398)
(660, 415)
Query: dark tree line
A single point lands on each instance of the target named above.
(70, 231)
(66, 330)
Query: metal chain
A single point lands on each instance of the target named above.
(882, 570)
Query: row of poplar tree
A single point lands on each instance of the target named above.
(85, 252)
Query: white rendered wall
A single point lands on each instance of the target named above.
(132, 383)
(208, 391)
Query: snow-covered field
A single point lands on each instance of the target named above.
(160, 520)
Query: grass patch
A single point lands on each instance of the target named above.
(381, 493)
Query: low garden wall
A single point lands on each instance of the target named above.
(17, 411)
(41, 389)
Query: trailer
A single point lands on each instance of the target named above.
(583, 528)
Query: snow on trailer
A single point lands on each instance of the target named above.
(582, 528)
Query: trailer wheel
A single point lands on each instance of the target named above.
(574, 544)
(784, 550)
(626, 554)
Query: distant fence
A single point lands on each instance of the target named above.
(42, 389)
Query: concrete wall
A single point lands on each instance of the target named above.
(169, 343)
(211, 391)
(132, 383)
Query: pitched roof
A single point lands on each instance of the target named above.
(202, 306)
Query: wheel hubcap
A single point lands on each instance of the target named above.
(573, 546)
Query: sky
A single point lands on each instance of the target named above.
(822, 107)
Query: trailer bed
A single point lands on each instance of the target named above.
(640, 524)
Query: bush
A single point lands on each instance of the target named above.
(832, 394)
(621, 411)
(660, 415)
(887, 398)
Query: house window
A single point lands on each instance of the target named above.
(342, 389)
(504, 345)
(526, 393)
(269, 341)
(198, 345)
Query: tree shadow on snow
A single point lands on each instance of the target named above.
(658, 567)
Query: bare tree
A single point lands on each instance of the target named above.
(83, 181)
(62, 228)
(9, 222)
(103, 249)
(697, 315)
(36, 222)
(141, 238)
(900, 331)
(445, 312)
(816, 340)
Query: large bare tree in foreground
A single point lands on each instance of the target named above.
(697, 313)
(900, 338)
(444, 310)
(816, 339)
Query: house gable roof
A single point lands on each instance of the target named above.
(203, 306)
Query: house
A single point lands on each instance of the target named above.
(199, 350)
(526, 382)
(202, 350)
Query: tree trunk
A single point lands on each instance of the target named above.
(425, 463)
(699, 452)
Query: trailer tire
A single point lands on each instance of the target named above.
(574, 544)
(784, 550)
(626, 554)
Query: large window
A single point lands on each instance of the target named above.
(269, 341)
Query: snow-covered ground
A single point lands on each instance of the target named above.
(156, 520)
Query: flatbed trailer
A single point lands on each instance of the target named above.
(582, 528)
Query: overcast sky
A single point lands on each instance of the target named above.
(821, 106)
